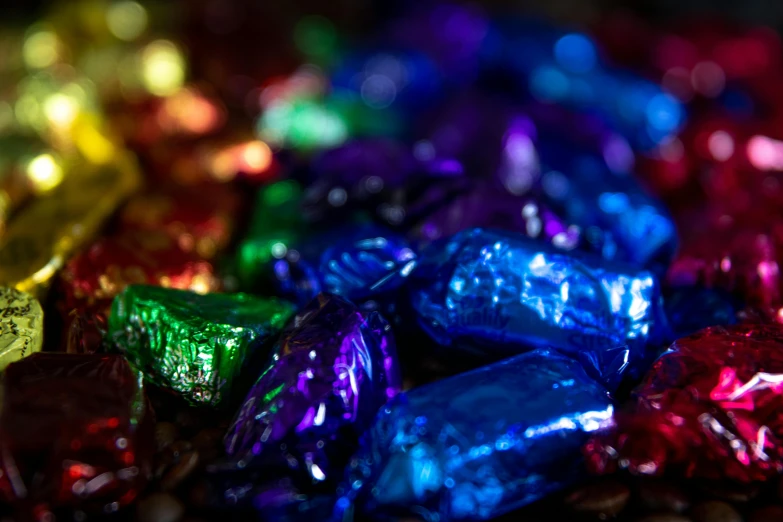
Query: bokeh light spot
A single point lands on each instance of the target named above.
(126, 20)
(575, 53)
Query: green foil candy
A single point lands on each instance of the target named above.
(195, 345)
(276, 223)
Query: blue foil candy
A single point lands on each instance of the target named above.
(331, 371)
(479, 444)
(497, 293)
(361, 262)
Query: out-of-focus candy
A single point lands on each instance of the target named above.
(199, 219)
(690, 309)
(709, 408)
(481, 443)
(277, 222)
(381, 179)
(330, 372)
(92, 279)
(488, 207)
(497, 293)
(41, 238)
(195, 345)
(354, 262)
(75, 432)
(21, 325)
(564, 68)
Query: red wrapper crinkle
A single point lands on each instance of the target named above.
(711, 407)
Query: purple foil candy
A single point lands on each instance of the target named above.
(331, 371)
(488, 207)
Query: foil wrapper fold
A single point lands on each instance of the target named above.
(21, 326)
(495, 294)
(194, 345)
(478, 444)
(75, 433)
(330, 372)
(359, 263)
(709, 408)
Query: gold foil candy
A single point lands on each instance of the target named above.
(21, 325)
(43, 235)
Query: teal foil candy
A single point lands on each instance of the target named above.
(195, 345)
(477, 445)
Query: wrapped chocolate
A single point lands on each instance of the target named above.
(75, 432)
(381, 179)
(358, 263)
(21, 325)
(194, 345)
(497, 293)
(276, 223)
(478, 444)
(331, 371)
(42, 236)
(91, 280)
(709, 408)
(488, 207)
(200, 220)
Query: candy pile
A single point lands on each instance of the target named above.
(442, 271)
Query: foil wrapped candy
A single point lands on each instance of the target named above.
(709, 408)
(493, 294)
(478, 444)
(194, 345)
(330, 372)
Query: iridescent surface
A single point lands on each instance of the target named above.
(498, 293)
(21, 325)
(330, 372)
(195, 345)
(710, 408)
(75, 432)
(481, 443)
(355, 262)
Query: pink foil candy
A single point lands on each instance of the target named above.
(711, 407)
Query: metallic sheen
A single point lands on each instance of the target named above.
(21, 325)
(195, 345)
(498, 293)
(481, 443)
(331, 371)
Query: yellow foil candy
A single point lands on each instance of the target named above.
(21, 325)
(41, 237)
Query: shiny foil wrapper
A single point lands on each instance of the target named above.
(75, 432)
(21, 325)
(331, 371)
(191, 344)
(495, 294)
(709, 408)
(479, 444)
(359, 263)
(91, 280)
(200, 220)
(43, 236)
(489, 207)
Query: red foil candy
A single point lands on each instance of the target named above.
(75, 433)
(199, 219)
(711, 407)
(90, 280)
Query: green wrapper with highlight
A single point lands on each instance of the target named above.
(195, 345)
